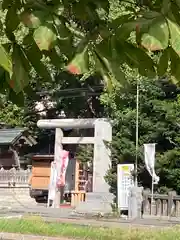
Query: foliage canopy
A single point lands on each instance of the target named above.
(85, 37)
(159, 119)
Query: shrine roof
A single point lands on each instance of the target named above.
(11, 136)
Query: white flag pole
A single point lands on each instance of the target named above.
(137, 133)
(152, 194)
(149, 151)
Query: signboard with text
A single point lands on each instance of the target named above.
(124, 183)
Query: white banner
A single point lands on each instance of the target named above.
(52, 184)
(149, 157)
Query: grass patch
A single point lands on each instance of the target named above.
(36, 226)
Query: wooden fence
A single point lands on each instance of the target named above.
(162, 205)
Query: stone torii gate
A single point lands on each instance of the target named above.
(100, 199)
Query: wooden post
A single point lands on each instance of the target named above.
(58, 158)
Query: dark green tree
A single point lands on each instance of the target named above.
(158, 123)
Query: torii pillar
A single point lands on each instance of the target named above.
(100, 199)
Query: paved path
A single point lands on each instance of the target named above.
(66, 216)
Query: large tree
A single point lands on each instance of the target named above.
(88, 36)
(159, 119)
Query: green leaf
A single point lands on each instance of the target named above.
(175, 15)
(17, 99)
(118, 74)
(107, 80)
(151, 14)
(29, 43)
(58, 9)
(5, 60)
(124, 31)
(6, 4)
(65, 39)
(166, 4)
(163, 62)
(16, 4)
(175, 64)
(2, 71)
(20, 77)
(37, 5)
(140, 25)
(174, 36)
(63, 31)
(138, 58)
(25, 61)
(143, 24)
(106, 47)
(121, 20)
(103, 4)
(80, 63)
(103, 68)
(45, 37)
(174, 80)
(67, 48)
(33, 19)
(7, 46)
(34, 56)
(3, 81)
(157, 37)
(12, 20)
(178, 3)
(109, 60)
(56, 59)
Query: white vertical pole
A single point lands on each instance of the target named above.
(137, 133)
(152, 194)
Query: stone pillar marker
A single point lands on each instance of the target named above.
(100, 200)
(135, 203)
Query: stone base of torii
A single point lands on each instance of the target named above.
(99, 200)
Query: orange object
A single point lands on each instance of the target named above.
(40, 177)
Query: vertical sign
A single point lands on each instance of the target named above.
(124, 183)
(52, 184)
